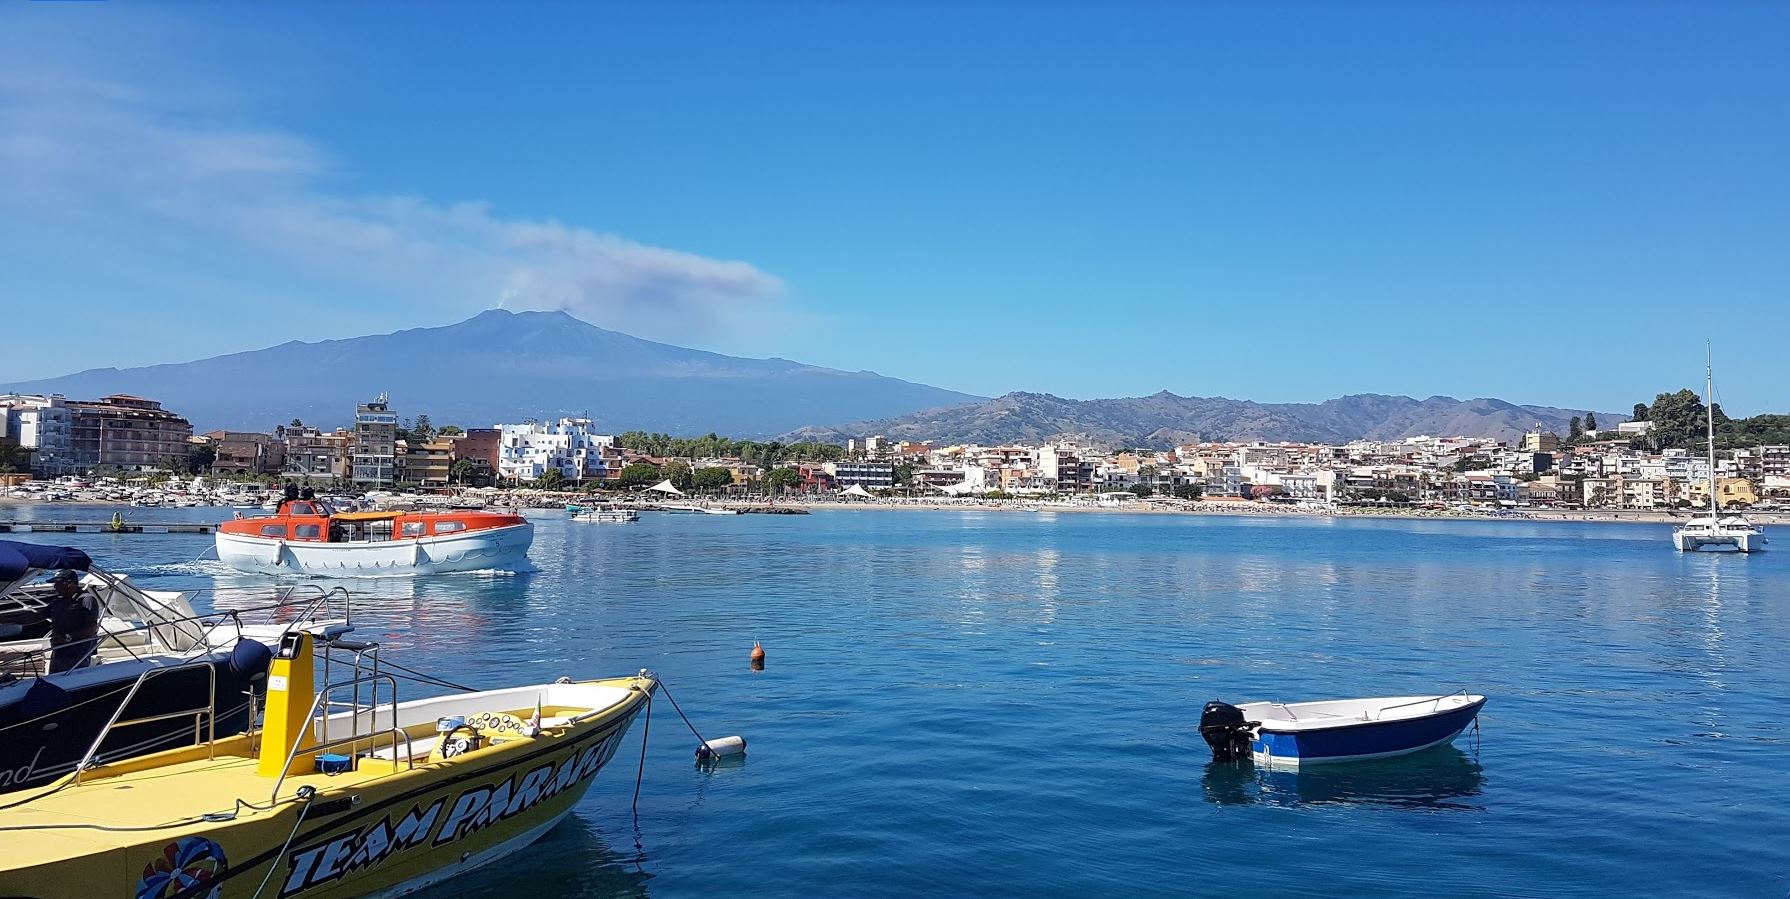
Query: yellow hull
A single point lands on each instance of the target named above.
(170, 825)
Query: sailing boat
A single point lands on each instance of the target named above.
(1715, 528)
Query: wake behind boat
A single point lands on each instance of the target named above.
(307, 537)
(1341, 730)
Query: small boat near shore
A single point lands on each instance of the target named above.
(686, 509)
(1340, 730)
(308, 537)
(329, 798)
(605, 515)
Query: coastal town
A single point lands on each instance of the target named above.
(136, 439)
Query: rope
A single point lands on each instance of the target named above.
(680, 714)
(305, 793)
(425, 678)
(645, 733)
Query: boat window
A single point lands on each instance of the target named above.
(301, 509)
(449, 527)
(307, 531)
(414, 528)
(273, 530)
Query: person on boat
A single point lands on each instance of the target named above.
(74, 624)
(291, 492)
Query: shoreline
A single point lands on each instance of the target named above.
(1622, 516)
(1179, 507)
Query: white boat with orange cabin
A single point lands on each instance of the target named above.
(306, 536)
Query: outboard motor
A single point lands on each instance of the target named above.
(1225, 731)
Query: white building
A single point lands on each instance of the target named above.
(42, 424)
(527, 450)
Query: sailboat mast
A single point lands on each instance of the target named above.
(1709, 413)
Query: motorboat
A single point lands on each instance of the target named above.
(1338, 730)
(309, 537)
(331, 796)
(152, 657)
(1715, 528)
(605, 515)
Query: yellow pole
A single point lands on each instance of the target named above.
(287, 723)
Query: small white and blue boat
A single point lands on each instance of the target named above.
(1337, 730)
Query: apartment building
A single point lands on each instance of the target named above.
(526, 451)
(375, 459)
(125, 433)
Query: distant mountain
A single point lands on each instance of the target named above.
(505, 367)
(1163, 420)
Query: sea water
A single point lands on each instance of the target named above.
(1007, 703)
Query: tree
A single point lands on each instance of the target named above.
(422, 429)
(13, 457)
(199, 458)
(551, 479)
(296, 423)
(678, 473)
(1591, 421)
(1678, 419)
(1574, 430)
(638, 474)
(1640, 413)
(1188, 491)
(464, 471)
(777, 479)
(904, 474)
(711, 478)
(451, 431)
(1142, 489)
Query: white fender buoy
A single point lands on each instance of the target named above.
(723, 748)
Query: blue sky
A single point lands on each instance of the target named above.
(1548, 203)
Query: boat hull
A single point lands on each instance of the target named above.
(392, 836)
(487, 548)
(1745, 543)
(1362, 741)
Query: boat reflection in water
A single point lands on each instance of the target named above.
(1441, 778)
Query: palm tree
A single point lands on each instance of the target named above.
(13, 457)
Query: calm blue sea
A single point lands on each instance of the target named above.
(1006, 703)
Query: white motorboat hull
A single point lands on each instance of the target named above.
(487, 548)
(1692, 539)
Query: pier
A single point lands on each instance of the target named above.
(103, 527)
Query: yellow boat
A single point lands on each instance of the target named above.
(375, 800)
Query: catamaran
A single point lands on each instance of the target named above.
(1715, 528)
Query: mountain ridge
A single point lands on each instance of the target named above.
(1164, 419)
(506, 366)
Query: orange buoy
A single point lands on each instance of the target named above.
(757, 656)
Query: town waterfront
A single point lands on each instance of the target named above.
(988, 703)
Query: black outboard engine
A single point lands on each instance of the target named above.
(1225, 731)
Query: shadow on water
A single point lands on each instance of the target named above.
(1441, 778)
(571, 862)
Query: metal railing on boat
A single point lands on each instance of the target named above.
(199, 713)
(374, 730)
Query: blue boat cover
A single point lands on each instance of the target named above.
(17, 558)
(12, 564)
